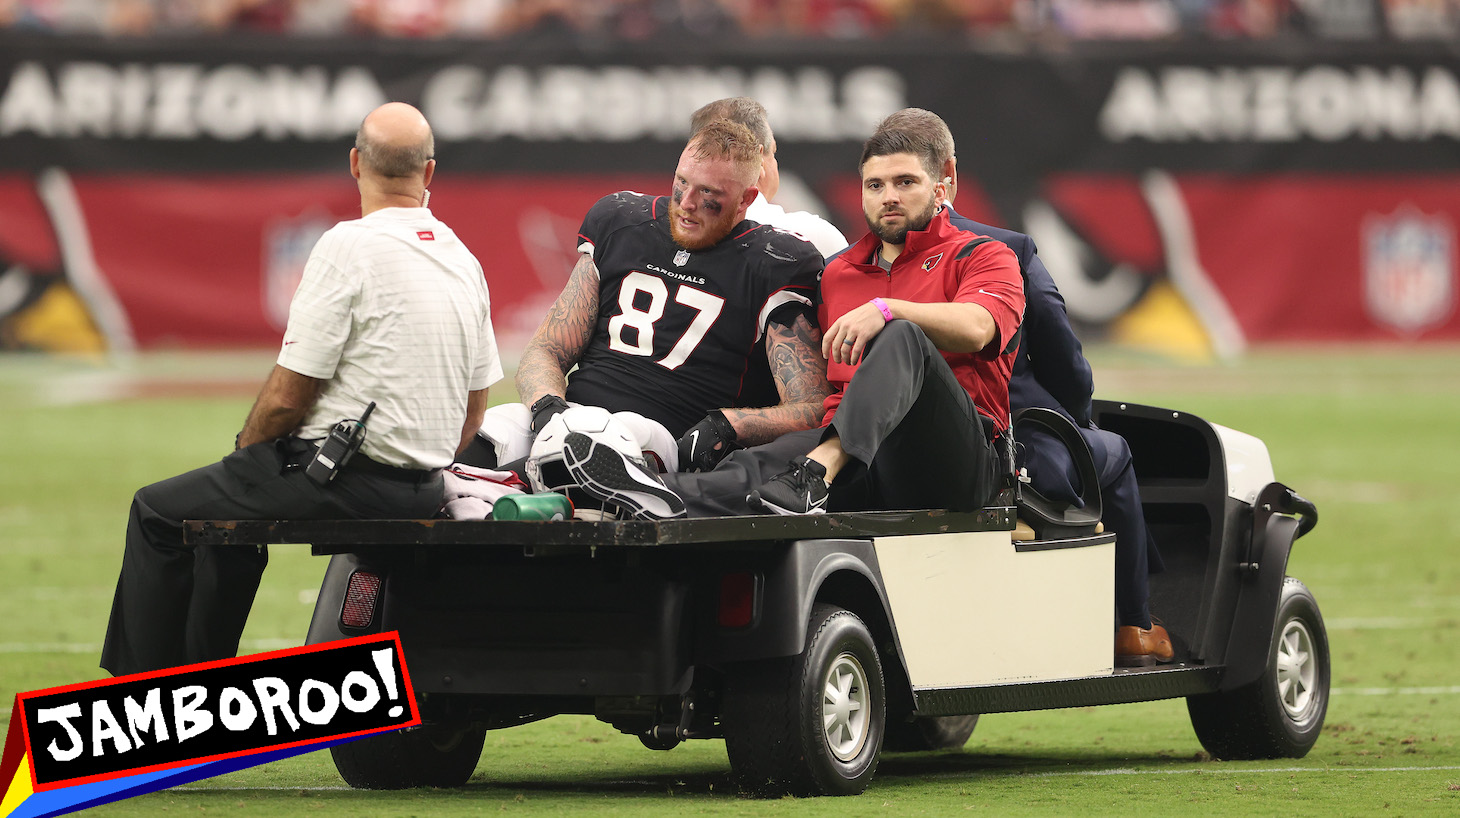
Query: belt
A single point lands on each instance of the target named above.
(364, 464)
(300, 450)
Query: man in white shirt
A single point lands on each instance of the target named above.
(393, 310)
(809, 226)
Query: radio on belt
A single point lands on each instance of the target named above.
(337, 449)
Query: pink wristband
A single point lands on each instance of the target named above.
(882, 305)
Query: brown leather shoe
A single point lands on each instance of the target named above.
(1138, 647)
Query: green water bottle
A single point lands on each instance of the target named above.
(545, 506)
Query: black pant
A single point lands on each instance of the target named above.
(911, 428)
(177, 605)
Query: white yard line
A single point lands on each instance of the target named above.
(1204, 770)
(1449, 690)
(1377, 623)
(247, 646)
(1207, 770)
(48, 647)
(257, 789)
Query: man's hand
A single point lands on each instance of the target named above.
(794, 355)
(847, 339)
(707, 443)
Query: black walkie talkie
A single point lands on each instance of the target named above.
(337, 449)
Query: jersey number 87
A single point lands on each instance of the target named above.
(706, 306)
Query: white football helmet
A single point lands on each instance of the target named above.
(546, 470)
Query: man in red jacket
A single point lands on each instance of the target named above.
(921, 319)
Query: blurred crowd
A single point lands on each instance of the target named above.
(835, 19)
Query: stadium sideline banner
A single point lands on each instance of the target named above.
(94, 742)
(171, 189)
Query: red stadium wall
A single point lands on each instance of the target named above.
(211, 261)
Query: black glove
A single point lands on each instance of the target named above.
(707, 443)
(545, 409)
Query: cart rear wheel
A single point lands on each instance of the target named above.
(926, 733)
(432, 755)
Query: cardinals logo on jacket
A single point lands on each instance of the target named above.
(931, 262)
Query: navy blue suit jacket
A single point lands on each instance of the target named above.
(1050, 369)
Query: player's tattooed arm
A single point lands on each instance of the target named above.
(562, 336)
(799, 369)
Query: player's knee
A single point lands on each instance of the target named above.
(508, 430)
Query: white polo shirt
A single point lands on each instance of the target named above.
(393, 308)
(809, 226)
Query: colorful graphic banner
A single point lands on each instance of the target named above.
(96, 742)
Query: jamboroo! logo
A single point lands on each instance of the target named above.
(1409, 270)
(136, 734)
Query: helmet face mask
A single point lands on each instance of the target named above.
(546, 470)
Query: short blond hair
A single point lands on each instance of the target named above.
(744, 110)
(725, 139)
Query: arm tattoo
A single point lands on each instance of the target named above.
(562, 336)
(800, 372)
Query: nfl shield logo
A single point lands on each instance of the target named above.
(681, 258)
(1409, 270)
(287, 244)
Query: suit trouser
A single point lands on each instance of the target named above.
(175, 603)
(910, 427)
(1052, 474)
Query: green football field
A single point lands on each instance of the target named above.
(1371, 436)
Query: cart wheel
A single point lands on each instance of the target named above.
(432, 755)
(926, 733)
(1280, 714)
(810, 724)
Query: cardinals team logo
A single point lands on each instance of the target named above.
(930, 263)
(1409, 270)
(287, 243)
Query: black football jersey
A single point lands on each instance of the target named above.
(676, 329)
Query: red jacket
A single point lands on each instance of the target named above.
(937, 265)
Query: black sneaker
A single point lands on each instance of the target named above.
(608, 475)
(800, 489)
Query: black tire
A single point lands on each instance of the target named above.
(773, 710)
(1281, 714)
(926, 733)
(433, 755)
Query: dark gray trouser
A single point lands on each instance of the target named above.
(176, 604)
(910, 427)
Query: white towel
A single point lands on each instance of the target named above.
(471, 491)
